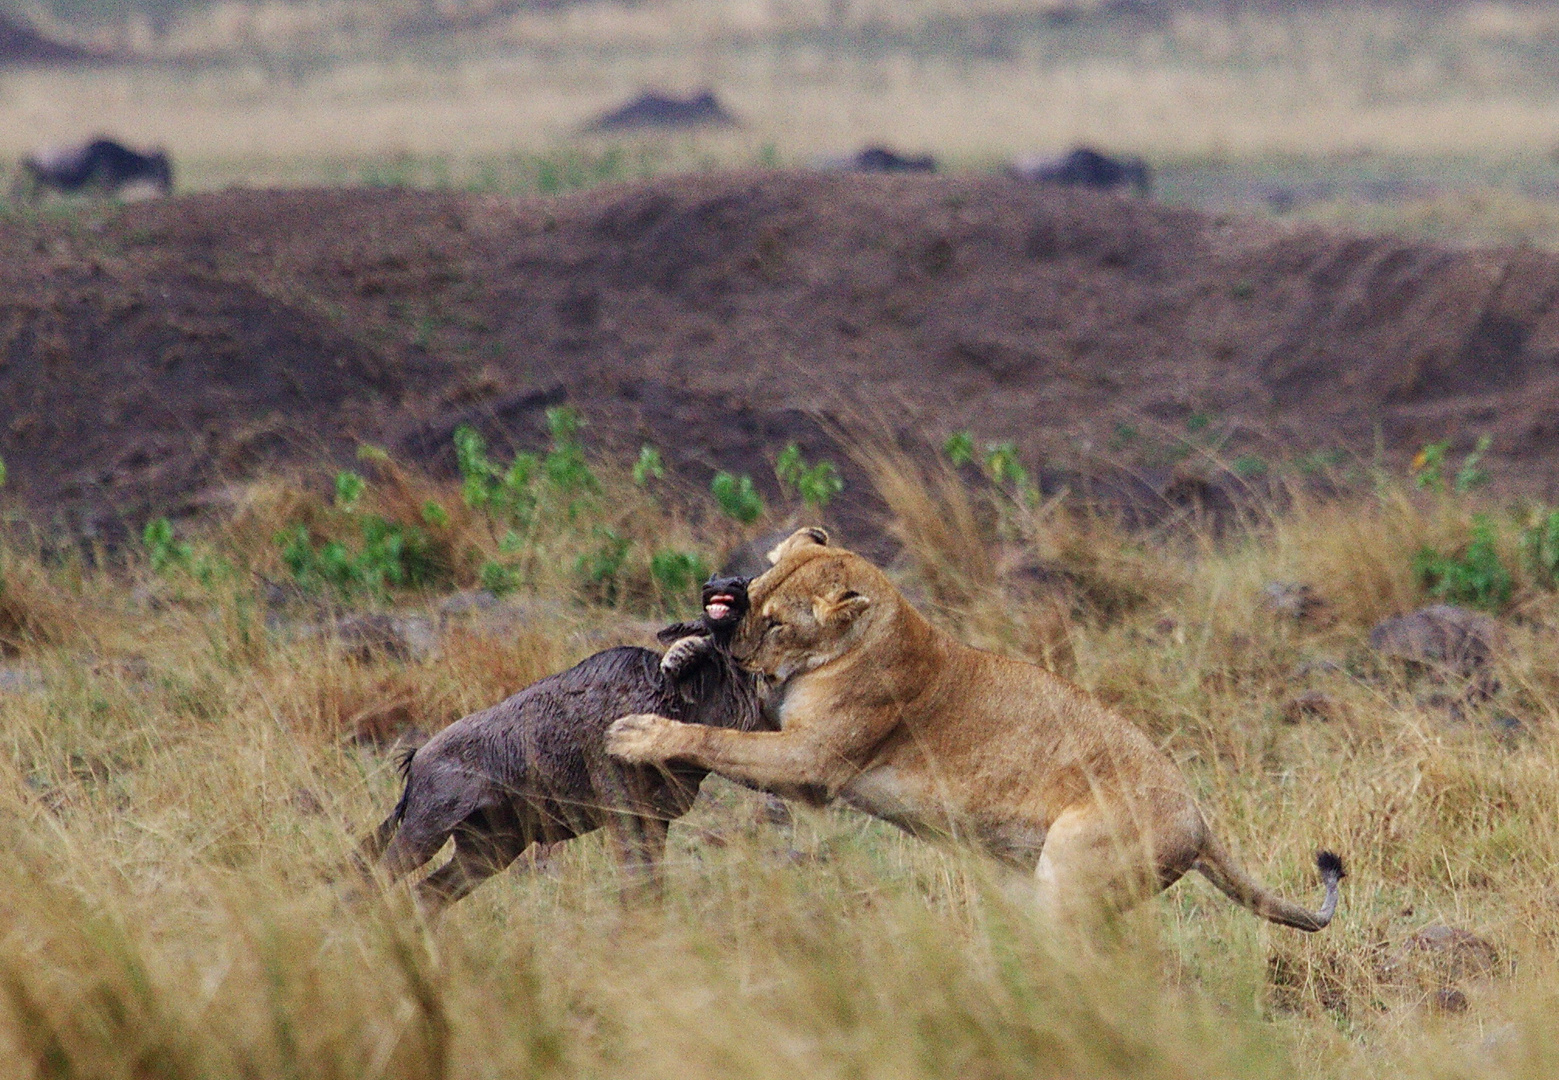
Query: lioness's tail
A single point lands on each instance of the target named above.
(1222, 871)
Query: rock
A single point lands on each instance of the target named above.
(306, 801)
(1445, 637)
(773, 811)
(1449, 952)
(20, 680)
(1448, 999)
(1322, 666)
(1292, 599)
(461, 604)
(370, 635)
(482, 614)
(1311, 705)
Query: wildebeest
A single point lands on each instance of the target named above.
(879, 159)
(652, 110)
(1087, 167)
(534, 768)
(102, 165)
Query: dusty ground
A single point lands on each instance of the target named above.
(152, 354)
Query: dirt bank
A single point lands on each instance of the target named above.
(153, 354)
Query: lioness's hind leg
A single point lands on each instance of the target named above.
(1093, 863)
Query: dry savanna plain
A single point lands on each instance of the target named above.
(457, 428)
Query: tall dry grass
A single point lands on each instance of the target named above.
(179, 790)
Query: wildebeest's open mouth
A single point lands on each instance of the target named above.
(725, 600)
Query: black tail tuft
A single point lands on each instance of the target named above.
(1330, 865)
(403, 766)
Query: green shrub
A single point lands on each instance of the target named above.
(388, 556)
(1429, 465)
(349, 489)
(959, 448)
(601, 568)
(676, 573)
(162, 547)
(1540, 544)
(504, 493)
(736, 497)
(498, 578)
(1473, 576)
(648, 467)
(816, 484)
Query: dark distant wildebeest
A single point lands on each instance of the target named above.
(1087, 167)
(102, 166)
(878, 159)
(652, 110)
(534, 768)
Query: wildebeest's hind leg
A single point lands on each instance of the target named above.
(485, 844)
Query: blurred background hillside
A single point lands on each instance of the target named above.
(1439, 120)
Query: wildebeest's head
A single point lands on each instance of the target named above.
(725, 602)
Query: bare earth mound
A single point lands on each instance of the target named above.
(147, 360)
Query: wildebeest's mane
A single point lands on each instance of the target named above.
(677, 631)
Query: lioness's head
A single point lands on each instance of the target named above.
(807, 609)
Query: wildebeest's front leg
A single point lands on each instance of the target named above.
(640, 846)
(684, 653)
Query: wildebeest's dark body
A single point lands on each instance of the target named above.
(652, 110)
(100, 165)
(1087, 167)
(534, 768)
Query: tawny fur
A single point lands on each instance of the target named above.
(880, 709)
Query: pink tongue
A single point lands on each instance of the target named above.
(717, 610)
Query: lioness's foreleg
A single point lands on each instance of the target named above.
(795, 758)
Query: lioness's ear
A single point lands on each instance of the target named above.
(839, 607)
(798, 539)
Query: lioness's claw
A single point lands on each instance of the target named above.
(634, 738)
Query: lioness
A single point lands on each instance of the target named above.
(879, 708)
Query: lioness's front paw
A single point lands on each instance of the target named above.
(640, 737)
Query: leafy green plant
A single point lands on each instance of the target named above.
(677, 572)
(648, 467)
(1005, 470)
(163, 548)
(435, 515)
(1428, 466)
(736, 497)
(2, 472)
(959, 448)
(488, 487)
(1471, 474)
(1540, 545)
(601, 568)
(388, 555)
(816, 484)
(349, 489)
(1248, 466)
(1473, 575)
(1430, 463)
(498, 578)
(565, 466)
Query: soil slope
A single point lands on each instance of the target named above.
(151, 355)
